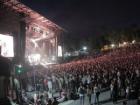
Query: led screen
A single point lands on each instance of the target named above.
(7, 47)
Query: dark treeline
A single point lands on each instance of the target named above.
(72, 43)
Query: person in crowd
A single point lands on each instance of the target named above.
(138, 101)
(55, 102)
(115, 91)
(127, 91)
(45, 82)
(89, 94)
(96, 94)
(49, 102)
(60, 86)
(81, 92)
(63, 96)
(124, 103)
(50, 87)
(54, 82)
(111, 90)
(50, 95)
(42, 100)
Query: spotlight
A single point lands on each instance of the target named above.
(84, 48)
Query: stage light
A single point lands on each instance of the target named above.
(134, 41)
(59, 51)
(112, 45)
(34, 59)
(20, 65)
(124, 43)
(84, 48)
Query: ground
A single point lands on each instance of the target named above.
(104, 100)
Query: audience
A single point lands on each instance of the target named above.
(118, 70)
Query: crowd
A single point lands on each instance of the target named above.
(118, 70)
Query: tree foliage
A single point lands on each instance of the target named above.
(98, 41)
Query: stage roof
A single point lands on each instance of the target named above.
(30, 15)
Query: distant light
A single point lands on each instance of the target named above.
(133, 41)
(19, 71)
(112, 45)
(67, 54)
(124, 43)
(20, 65)
(84, 48)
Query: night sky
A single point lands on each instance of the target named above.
(88, 17)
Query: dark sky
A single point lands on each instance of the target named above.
(88, 17)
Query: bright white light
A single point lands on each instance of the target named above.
(67, 54)
(44, 36)
(34, 59)
(84, 48)
(7, 46)
(59, 51)
(35, 96)
(20, 65)
(124, 43)
(34, 42)
(133, 41)
(112, 45)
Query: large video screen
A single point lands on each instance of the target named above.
(7, 45)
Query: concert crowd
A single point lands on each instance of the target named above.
(117, 71)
